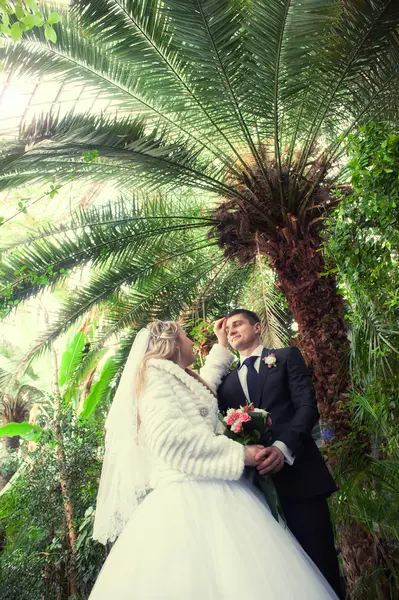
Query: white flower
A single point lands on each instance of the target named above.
(263, 412)
(270, 360)
(230, 411)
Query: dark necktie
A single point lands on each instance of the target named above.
(252, 377)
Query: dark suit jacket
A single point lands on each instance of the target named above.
(286, 391)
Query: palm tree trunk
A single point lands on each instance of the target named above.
(318, 310)
(64, 481)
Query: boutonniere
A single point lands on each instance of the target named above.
(270, 360)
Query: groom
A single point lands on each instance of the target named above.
(279, 382)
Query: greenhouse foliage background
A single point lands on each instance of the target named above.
(175, 159)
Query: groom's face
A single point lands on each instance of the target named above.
(241, 334)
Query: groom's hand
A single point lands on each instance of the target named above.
(219, 328)
(253, 454)
(272, 461)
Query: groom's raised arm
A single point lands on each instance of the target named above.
(303, 397)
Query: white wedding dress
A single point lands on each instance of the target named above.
(204, 533)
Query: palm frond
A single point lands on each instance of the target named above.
(161, 296)
(110, 236)
(283, 72)
(129, 153)
(220, 87)
(159, 59)
(139, 271)
(374, 342)
(356, 70)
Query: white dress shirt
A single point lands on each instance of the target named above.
(242, 375)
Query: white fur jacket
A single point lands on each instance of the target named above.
(178, 417)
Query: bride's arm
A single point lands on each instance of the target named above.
(219, 358)
(216, 366)
(181, 438)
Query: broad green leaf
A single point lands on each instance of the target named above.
(71, 357)
(19, 11)
(16, 32)
(24, 430)
(29, 21)
(53, 18)
(32, 4)
(100, 389)
(37, 19)
(50, 34)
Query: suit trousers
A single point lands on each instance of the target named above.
(309, 521)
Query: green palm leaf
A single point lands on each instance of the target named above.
(374, 342)
(110, 237)
(215, 86)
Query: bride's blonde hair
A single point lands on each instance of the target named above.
(164, 337)
(163, 343)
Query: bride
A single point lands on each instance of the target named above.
(203, 532)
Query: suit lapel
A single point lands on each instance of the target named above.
(263, 372)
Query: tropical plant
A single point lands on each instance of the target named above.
(15, 407)
(363, 243)
(33, 529)
(79, 382)
(19, 399)
(244, 104)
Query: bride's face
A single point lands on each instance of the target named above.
(187, 354)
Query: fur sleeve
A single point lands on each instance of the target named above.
(216, 366)
(177, 434)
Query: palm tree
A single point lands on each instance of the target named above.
(240, 105)
(15, 407)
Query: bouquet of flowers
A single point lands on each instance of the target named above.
(248, 425)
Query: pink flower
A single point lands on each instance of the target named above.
(248, 408)
(237, 427)
(236, 417)
(232, 413)
(244, 418)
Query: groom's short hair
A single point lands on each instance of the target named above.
(250, 315)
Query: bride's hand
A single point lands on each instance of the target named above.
(219, 329)
(253, 455)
